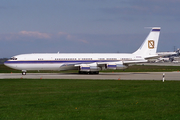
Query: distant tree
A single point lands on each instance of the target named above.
(2, 60)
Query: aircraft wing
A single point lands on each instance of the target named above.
(97, 66)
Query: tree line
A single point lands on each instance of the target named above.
(2, 60)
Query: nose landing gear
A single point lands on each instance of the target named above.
(24, 72)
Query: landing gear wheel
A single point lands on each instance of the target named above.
(90, 72)
(80, 72)
(97, 72)
(23, 73)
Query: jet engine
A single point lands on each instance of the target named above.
(89, 68)
(86, 68)
(115, 66)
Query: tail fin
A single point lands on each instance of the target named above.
(149, 46)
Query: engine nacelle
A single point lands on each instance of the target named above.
(116, 66)
(87, 68)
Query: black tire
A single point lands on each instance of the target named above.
(23, 73)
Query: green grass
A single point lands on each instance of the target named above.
(88, 99)
(135, 68)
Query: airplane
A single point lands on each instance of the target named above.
(90, 63)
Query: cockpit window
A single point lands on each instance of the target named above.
(13, 58)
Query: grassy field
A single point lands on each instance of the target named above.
(135, 68)
(88, 99)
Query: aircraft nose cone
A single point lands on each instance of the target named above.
(6, 63)
(11, 64)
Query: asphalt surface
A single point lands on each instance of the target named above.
(100, 76)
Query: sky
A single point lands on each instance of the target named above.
(80, 26)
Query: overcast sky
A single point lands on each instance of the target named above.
(103, 26)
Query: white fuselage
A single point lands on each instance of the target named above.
(65, 61)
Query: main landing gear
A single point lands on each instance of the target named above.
(90, 72)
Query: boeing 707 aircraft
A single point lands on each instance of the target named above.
(90, 63)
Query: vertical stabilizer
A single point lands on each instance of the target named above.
(149, 46)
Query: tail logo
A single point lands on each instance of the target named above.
(150, 44)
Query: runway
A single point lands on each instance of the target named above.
(101, 76)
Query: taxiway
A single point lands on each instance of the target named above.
(101, 76)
